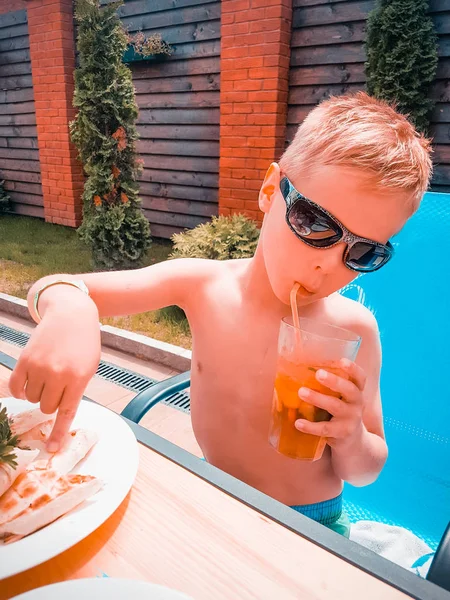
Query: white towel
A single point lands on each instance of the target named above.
(394, 543)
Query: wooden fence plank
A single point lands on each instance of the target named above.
(167, 19)
(19, 108)
(181, 207)
(443, 70)
(197, 83)
(174, 219)
(178, 132)
(441, 23)
(190, 32)
(24, 186)
(328, 55)
(180, 116)
(439, 5)
(10, 19)
(440, 90)
(184, 163)
(14, 119)
(19, 175)
(441, 175)
(10, 70)
(177, 192)
(178, 148)
(13, 43)
(444, 46)
(18, 56)
(18, 131)
(24, 198)
(196, 50)
(12, 32)
(19, 153)
(164, 231)
(28, 211)
(17, 81)
(324, 14)
(184, 178)
(441, 154)
(142, 7)
(297, 115)
(326, 74)
(315, 94)
(298, 4)
(18, 142)
(24, 166)
(328, 34)
(441, 133)
(178, 100)
(441, 113)
(11, 96)
(177, 68)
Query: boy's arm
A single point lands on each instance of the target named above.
(118, 293)
(63, 352)
(355, 433)
(360, 457)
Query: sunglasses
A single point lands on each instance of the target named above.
(317, 228)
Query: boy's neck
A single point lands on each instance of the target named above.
(256, 286)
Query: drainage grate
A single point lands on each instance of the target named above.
(18, 338)
(109, 372)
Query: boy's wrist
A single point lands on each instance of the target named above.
(61, 296)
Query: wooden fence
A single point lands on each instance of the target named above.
(19, 154)
(178, 100)
(328, 58)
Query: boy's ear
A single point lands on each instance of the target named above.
(269, 188)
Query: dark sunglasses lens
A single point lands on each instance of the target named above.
(313, 226)
(364, 256)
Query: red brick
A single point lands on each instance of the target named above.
(235, 6)
(249, 15)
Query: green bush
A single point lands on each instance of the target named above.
(105, 134)
(5, 200)
(402, 57)
(222, 238)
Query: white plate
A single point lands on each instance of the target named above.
(114, 459)
(93, 589)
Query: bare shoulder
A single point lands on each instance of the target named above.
(352, 315)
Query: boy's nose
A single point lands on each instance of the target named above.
(328, 260)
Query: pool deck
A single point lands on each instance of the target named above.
(168, 422)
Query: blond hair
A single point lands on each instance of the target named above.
(360, 131)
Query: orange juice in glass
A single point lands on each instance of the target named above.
(301, 352)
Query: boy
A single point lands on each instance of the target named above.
(355, 164)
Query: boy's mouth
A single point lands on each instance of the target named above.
(305, 292)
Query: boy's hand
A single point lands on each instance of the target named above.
(59, 360)
(346, 423)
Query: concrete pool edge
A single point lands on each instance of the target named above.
(134, 344)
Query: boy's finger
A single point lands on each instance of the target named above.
(335, 406)
(355, 372)
(346, 388)
(322, 429)
(51, 396)
(33, 391)
(66, 414)
(18, 380)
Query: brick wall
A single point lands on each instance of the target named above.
(12, 5)
(253, 101)
(52, 54)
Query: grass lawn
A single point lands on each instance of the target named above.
(31, 248)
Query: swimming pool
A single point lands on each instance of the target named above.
(410, 299)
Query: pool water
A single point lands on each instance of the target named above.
(410, 299)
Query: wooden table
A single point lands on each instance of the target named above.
(177, 529)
